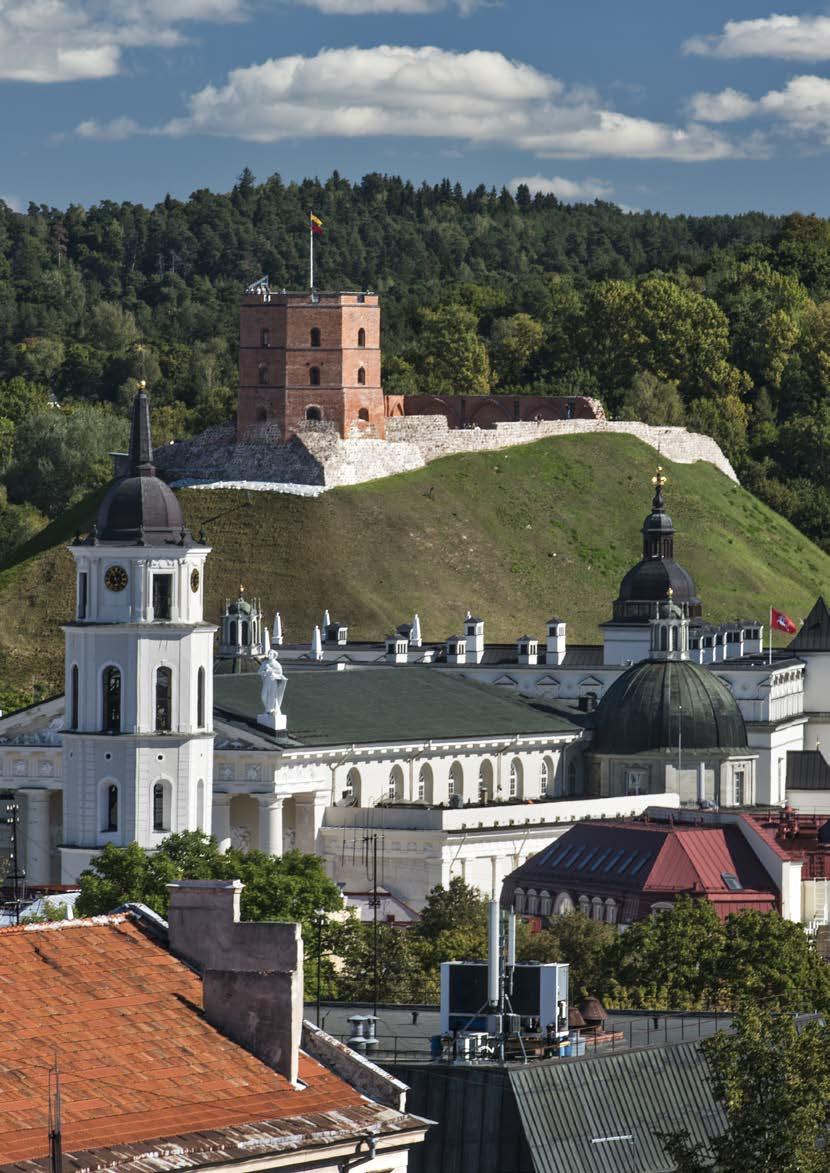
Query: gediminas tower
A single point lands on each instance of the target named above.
(310, 357)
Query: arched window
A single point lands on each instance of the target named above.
(363, 414)
(265, 337)
(234, 631)
(361, 376)
(73, 707)
(110, 822)
(563, 904)
(352, 787)
(455, 784)
(598, 908)
(263, 374)
(544, 776)
(161, 806)
(424, 791)
(200, 805)
(519, 900)
(394, 784)
(571, 777)
(314, 376)
(245, 633)
(164, 700)
(611, 911)
(532, 902)
(315, 336)
(584, 905)
(361, 337)
(313, 413)
(111, 683)
(485, 782)
(200, 699)
(515, 778)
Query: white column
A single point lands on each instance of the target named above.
(310, 811)
(36, 836)
(221, 819)
(270, 823)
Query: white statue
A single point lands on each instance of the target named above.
(273, 690)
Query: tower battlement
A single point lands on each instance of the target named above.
(307, 360)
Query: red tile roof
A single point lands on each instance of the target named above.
(137, 1059)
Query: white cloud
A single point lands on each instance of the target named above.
(726, 106)
(12, 202)
(569, 190)
(475, 97)
(803, 104)
(402, 7)
(793, 38)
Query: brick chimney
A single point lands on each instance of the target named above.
(252, 970)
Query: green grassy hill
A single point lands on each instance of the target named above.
(516, 536)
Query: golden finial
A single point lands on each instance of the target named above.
(670, 593)
(241, 589)
(142, 383)
(659, 479)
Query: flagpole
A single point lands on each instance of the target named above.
(769, 636)
(310, 251)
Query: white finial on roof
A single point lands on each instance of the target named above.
(276, 631)
(326, 619)
(317, 644)
(469, 614)
(266, 640)
(415, 633)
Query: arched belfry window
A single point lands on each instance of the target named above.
(111, 819)
(164, 699)
(73, 715)
(361, 376)
(313, 413)
(265, 338)
(161, 806)
(111, 687)
(363, 414)
(314, 376)
(361, 337)
(315, 336)
(263, 374)
(200, 699)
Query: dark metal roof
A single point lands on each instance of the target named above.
(601, 1115)
(140, 508)
(382, 704)
(642, 709)
(807, 769)
(814, 635)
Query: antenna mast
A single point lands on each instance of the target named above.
(55, 1143)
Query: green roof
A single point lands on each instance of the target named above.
(600, 1115)
(374, 705)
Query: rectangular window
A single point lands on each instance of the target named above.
(739, 787)
(82, 594)
(162, 596)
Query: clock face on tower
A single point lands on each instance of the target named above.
(194, 580)
(116, 578)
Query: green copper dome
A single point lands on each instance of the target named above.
(642, 710)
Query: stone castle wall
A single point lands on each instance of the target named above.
(319, 457)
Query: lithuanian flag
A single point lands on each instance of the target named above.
(316, 224)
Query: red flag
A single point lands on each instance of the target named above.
(781, 622)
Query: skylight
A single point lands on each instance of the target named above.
(732, 882)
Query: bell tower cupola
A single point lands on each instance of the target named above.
(138, 727)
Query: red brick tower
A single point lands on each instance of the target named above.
(310, 357)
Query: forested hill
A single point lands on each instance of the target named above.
(721, 322)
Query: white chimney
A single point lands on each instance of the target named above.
(474, 634)
(415, 633)
(556, 644)
(456, 650)
(276, 634)
(397, 647)
(317, 644)
(527, 650)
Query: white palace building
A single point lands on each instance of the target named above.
(462, 758)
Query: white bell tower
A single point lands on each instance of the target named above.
(138, 727)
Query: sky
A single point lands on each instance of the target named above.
(700, 108)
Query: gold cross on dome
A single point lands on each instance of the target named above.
(659, 479)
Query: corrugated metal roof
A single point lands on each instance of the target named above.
(601, 1115)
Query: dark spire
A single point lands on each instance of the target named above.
(141, 442)
(658, 531)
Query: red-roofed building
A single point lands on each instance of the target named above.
(620, 871)
(159, 1062)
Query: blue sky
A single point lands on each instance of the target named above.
(698, 108)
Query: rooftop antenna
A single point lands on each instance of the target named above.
(55, 1143)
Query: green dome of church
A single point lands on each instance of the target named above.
(643, 707)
